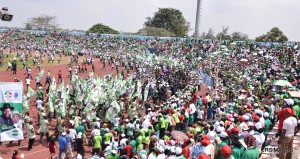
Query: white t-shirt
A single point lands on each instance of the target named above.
(260, 139)
(94, 132)
(200, 114)
(289, 125)
(39, 103)
(37, 79)
(27, 81)
(72, 134)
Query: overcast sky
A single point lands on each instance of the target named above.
(253, 17)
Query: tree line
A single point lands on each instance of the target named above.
(168, 22)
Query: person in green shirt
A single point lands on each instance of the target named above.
(167, 122)
(107, 137)
(133, 144)
(97, 139)
(162, 126)
(139, 141)
(267, 126)
(113, 155)
(296, 108)
(252, 152)
(224, 141)
(226, 152)
(237, 147)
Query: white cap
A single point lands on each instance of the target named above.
(223, 134)
(266, 114)
(143, 156)
(235, 115)
(113, 151)
(161, 149)
(123, 135)
(246, 117)
(232, 119)
(173, 149)
(78, 156)
(258, 125)
(97, 119)
(178, 150)
(64, 134)
(221, 123)
(255, 104)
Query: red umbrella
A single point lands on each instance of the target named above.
(179, 136)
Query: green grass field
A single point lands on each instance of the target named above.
(64, 60)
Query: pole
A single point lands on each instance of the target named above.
(197, 25)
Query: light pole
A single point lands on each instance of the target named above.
(197, 25)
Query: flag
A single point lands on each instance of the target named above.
(41, 74)
(30, 92)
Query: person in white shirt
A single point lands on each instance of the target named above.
(39, 103)
(259, 135)
(37, 81)
(287, 136)
(27, 82)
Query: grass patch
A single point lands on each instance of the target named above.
(64, 60)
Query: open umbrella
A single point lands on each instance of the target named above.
(282, 83)
(178, 135)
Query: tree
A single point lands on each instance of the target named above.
(224, 34)
(28, 27)
(210, 34)
(152, 31)
(42, 22)
(102, 29)
(171, 19)
(274, 35)
(238, 36)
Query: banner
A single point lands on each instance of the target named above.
(11, 110)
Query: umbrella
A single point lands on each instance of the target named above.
(282, 83)
(178, 135)
(244, 60)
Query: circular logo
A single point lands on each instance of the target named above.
(16, 95)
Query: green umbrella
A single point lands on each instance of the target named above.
(282, 83)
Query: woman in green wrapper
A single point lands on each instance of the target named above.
(237, 147)
(252, 151)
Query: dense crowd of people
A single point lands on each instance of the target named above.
(152, 108)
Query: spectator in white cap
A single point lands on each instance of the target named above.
(161, 152)
(267, 125)
(62, 145)
(258, 134)
(178, 151)
(251, 128)
(224, 140)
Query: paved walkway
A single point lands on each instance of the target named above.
(296, 145)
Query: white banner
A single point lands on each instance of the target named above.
(11, 110)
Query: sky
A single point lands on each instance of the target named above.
(253, 17)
